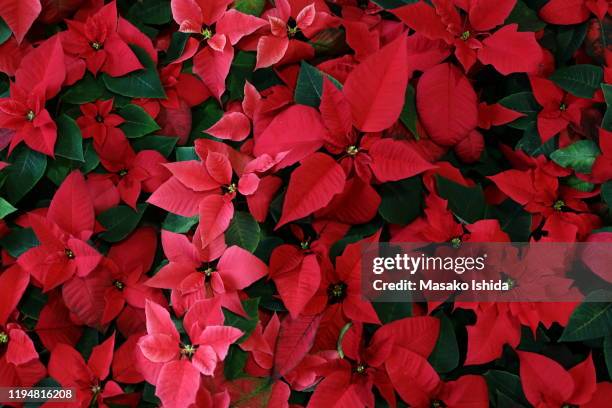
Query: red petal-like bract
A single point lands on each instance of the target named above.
(19, 15)
(270, 146)
(178, 383)
(374, 89)
(447, 104)
(312, 186)
(511, 51)
(565, 12)
(71, 208)
(295, 339)
(306, 136)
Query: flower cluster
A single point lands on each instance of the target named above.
(186, 187)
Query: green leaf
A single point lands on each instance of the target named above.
(120, 221)
(233, 365)
(581, 80)
(204, 116)
(606, 123)
(163, 144)
(531, 142)
(151, 12)
(86, 90)
(137, 123)
(241, 71)
(579, 184)
(26, 169)
(445, 356)
(252, 7)
(402, 201)
(390, 311)
(309, 87)
(590, 320)
(91, 157)
(526, 18)
(186, 154)
(246, 325)
(508, 385)
(467, 203)
(513, 220)
(578, 156)
(58, 169)
(391, 4)
(606, 193)
(33, 302)
(5, 208)
(179, 224)
(69, 139)
(523, 102)
(18, 241)
(89, 339)
(409, 113)
(177, 46)
(567, 41)
(144, 83)
(5, 31)
(243, 231)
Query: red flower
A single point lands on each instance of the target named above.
(181, 363)
(221, 29)
(19, 363)
(67, 366)
(98, 121)
(63, 234)
(98, 42)
(272, 48)
(547, 383)
(507, 49)
(193, 274)
(37, 80)
(559, 108)
(117, 286)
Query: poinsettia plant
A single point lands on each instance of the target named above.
(186, 188)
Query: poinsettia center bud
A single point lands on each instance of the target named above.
(569, 406)
(30, 116)
(188, 350)
(352, 150)
(360, 369)
(558, 205)
(3, 338)
(465, 35)
(456, 242)
(232, 188)
(118, 284)
(336, 292)
(206, 270)
(99, 118)
(122, 173)
(292, 31)
(96, 389)
(96, 45)
(207, 33)
(437, 404)
(511, 282)
(305, 245)
(69, 253)
(562, 107)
